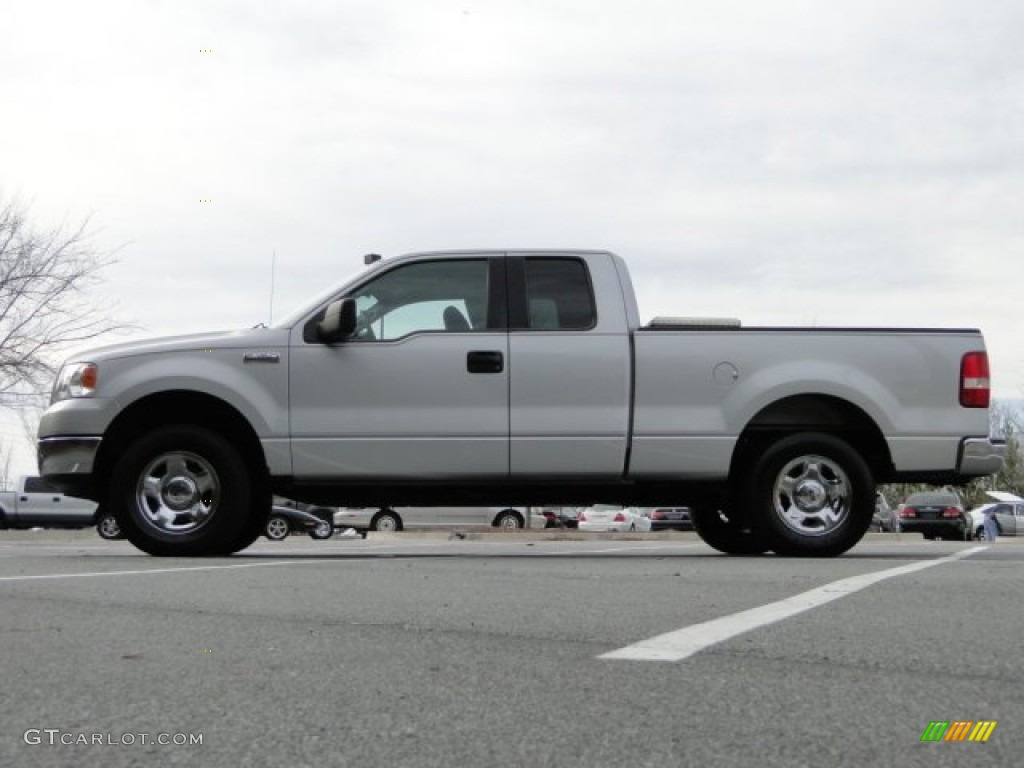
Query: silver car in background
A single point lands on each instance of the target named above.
(410, 518)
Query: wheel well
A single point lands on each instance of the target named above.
(814, 413)
(177, 407)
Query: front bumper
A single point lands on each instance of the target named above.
(67, 463)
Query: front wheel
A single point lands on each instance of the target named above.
(811, 495)
(184, 490)
(719, 532)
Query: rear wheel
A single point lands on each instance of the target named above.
(184, 490)
(730, 536)
(323, 531)
(108, 528)
(509, 520)
(386, 520)
(811, 495)
(277, 528)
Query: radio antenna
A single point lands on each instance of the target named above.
(273, 263)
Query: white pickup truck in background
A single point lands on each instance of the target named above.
(35, 504)
(516, 378)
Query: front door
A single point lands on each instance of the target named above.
(420, 391)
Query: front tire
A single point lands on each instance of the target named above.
(183, 490)
(811, 495)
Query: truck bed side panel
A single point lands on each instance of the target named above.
(696, 391)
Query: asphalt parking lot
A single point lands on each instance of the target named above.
(507, 650)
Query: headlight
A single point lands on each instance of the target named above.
(76, 380)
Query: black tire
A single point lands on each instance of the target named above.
(811, 495)
(277, 528)
(184, 490)
(108, 528)
(386, 520)
(322, 532)
(509, 520)
(728, 536)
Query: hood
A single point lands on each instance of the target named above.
(253, 337)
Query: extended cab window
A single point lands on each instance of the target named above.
(447, 295)
(558, 295)
(37, 485)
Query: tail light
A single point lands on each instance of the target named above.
(619, 517)
(657, 515)
(951, 512)
(582, 518)
(907, 512)
(975, 389)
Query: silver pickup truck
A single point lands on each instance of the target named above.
(516, 378)
(34, 503)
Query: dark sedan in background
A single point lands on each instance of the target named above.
(936, 514)
(670, 519)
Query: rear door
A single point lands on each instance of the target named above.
(569, 389)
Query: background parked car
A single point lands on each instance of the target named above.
(561, 517)
(1009, 512)
(936, 514)
(885, 518)
(669, 518)
(607, 517)
(285, 520)
(409, 518)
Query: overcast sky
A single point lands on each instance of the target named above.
(819, 162)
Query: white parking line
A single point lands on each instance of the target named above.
(683, 643)
(146, 571)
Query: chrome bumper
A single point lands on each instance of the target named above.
(67, 455)
(981, 456)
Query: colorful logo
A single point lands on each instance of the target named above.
(958, 730)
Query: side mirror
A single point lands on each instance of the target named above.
(339, 321)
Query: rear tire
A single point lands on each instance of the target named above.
(811, 495)
(108, 528)
(183, 490)
(509, 520)
(387, 521)
(277, 528)
(322, 532)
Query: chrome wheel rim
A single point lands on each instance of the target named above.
(277, 528)
(812, 495)
(177, 492)
(109, 527)
(509, 522)
(323, 530)
(387, 523)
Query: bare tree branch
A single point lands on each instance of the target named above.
(45, 283)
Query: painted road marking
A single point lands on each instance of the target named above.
(683, 643)
(146, 571)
